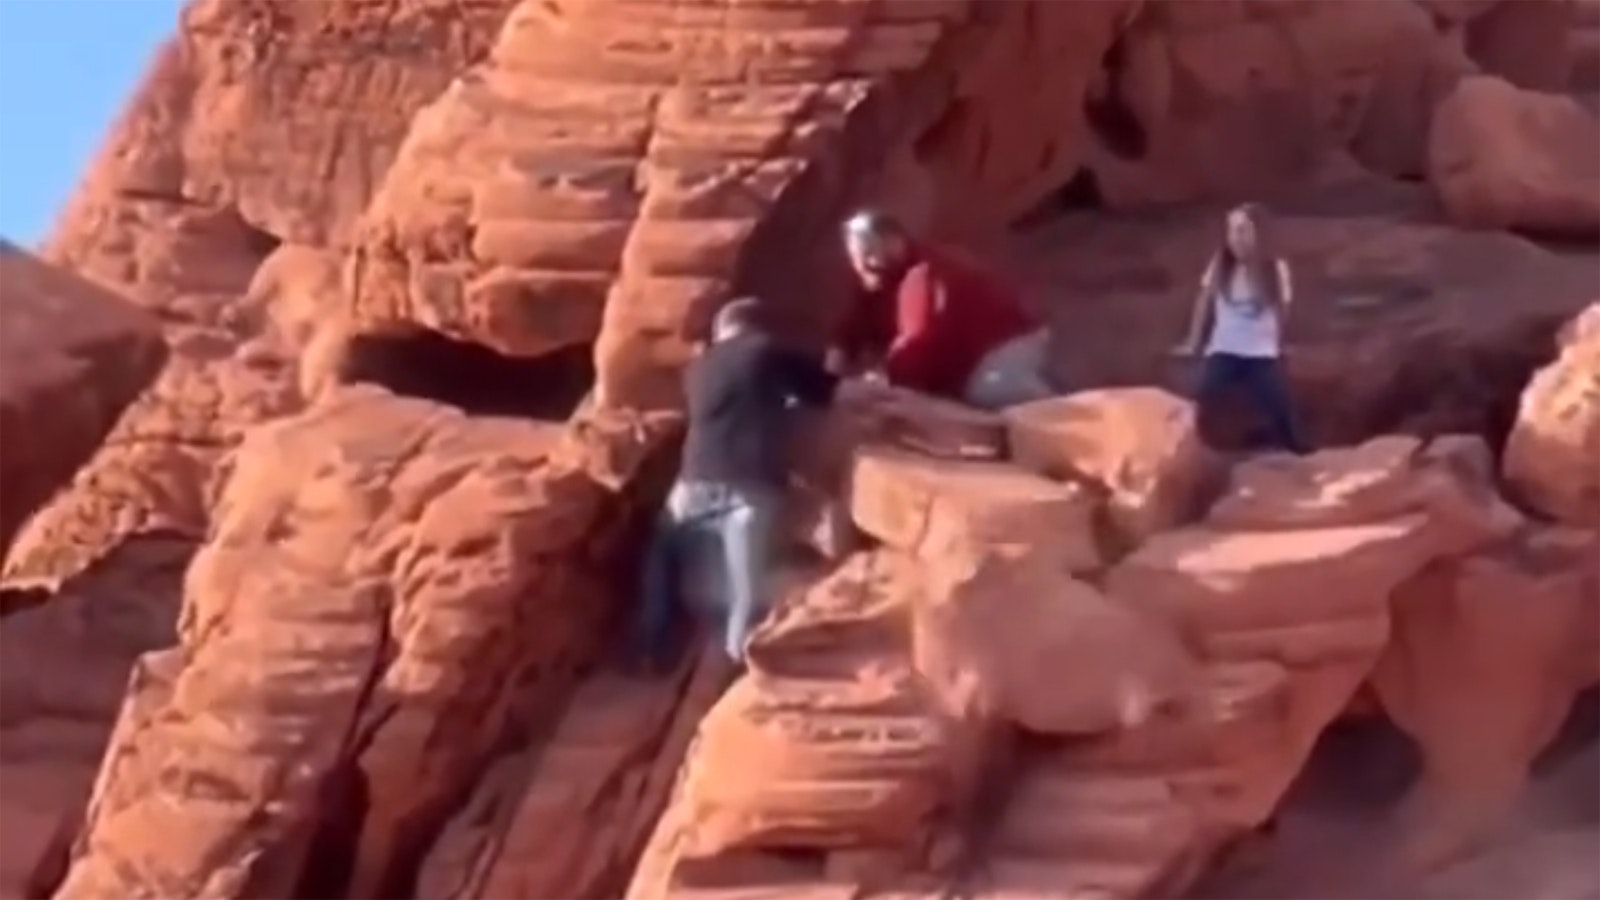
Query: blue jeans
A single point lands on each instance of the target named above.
(740, 523)
(1260, 377)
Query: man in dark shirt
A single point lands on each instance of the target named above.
(741, 393)
(940, 322)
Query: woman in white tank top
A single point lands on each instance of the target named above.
(1244, 296)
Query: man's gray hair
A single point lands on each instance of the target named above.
(872, 223)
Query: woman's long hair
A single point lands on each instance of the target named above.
(1263, 267)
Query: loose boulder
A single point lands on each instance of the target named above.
(1552, 457)
(1140, 445)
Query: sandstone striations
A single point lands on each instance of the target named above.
(430, 269)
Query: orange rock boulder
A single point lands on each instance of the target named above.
(1487, 654)
(1012, 634)
(1140, 445)
(1552, 457)
(75, 356)
(1503, 157)
(1296, 565)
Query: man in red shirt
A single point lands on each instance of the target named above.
(938, 322)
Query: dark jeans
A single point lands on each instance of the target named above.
(1262, 379)
(739, 523)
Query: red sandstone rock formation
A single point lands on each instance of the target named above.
(1049, 664)
(1502, 157)
(1551, 453)
(75, 356)
(253, 135)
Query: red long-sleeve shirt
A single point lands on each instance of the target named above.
(947, 314)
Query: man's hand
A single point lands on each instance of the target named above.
(836, 361)
(1185, 349)
(874, 377)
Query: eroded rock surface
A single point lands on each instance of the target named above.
(64, 666)
(1502, 157)
(1487, 655)
(382, 685)
(1170, 762)
(1552, 452)
(75, 356)
(259, 124)
(337, 665)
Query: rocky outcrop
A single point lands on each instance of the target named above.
(1487, 653)
(260, 124)
(1501, 157)
(1551, 452)
(883, 697)
(75, 356)
(179, 210)
(382, 684)
(348, 652)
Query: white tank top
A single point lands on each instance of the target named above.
(1244, 324)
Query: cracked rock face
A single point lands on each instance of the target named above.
(1072, 630)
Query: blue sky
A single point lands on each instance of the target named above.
(66, 68)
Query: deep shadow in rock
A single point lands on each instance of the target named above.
(1566, 777)
(330, 863)
(51, 868)
(1478, 394)
(1110, 118)
(16, 598)
(1337, 812)
(471, 377)
(1340, 826)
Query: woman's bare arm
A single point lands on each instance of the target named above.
(1199, 313)
(1285, 285)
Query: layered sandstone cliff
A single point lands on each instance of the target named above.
(511, 220)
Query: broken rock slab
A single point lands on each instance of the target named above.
(75, 355)
(1141, 445)
(931, 507)
(1010, 633)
